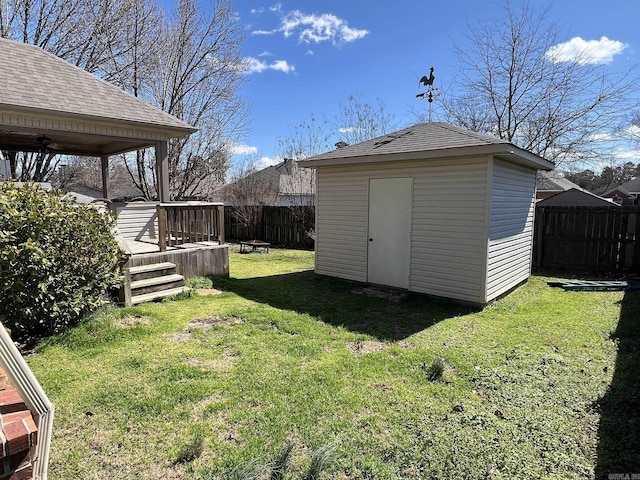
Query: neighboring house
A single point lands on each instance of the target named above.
(284, 184)
(626, 194)
(431, 208)
(87, 194)
(551, 183)
(575, 197)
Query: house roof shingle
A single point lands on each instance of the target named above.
(573, 197)
(36, 79)
(425, 140)
(628, 188)
(554, 182)
(43, 96)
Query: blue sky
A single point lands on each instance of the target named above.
(306, 57)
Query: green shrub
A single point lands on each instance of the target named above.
(57, 260)
(199, 282)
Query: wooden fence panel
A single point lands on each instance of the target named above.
(278, 226)
(587, 239)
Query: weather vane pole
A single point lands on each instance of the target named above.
(431, 92)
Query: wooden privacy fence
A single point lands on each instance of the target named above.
(286, 226)
(587, 239)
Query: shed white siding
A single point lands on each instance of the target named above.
(511, 227)
(448, 248)
(341, 224)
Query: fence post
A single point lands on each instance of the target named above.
(636, 242)
(539, 235)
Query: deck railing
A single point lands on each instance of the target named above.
(190, 222)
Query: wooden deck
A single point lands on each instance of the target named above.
(139, 247)
(167, 244)
(191, 259)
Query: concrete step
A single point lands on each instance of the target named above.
(150, 297)
(143, 272)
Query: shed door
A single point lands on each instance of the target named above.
(389, 252)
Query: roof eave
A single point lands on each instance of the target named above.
(501, 150)
(172, 131)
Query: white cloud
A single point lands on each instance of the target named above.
(628, 155)
(266, 54)
(282, 66)
(634, 131)
(310, 52)
(263, 32)
(276, 7)
(265, 162)
(241, 149)
(319, 28)
(314, 28)
(347, 129)
(258, 66)
(257, 11)
(585, 52)
(601, 137)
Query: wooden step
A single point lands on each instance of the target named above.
(152, 270)
(164, 282)
(150, 297)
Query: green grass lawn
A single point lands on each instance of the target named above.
(542, 384)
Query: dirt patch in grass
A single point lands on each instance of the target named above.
(208, 291)
(381, 386)
(207, 323)
(222, 363)
(386, 293)
(360, 347)
(200, 407)
(180, 337)
(132, 321)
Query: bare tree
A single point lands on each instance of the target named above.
(187, 62)
(87, 172)
(197, 71)
(87, 33)
(307, 139)
(248, 191)
(632, 130)
(513, 86)
(358, 121)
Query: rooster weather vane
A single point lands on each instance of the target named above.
(431, 92)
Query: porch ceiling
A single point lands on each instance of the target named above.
(69, 143)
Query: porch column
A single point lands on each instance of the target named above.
(162, 171)
(105, 177)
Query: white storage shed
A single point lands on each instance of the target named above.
(432, 208)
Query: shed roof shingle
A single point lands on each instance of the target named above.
(434, 139)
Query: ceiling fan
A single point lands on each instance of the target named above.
(47, 145)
